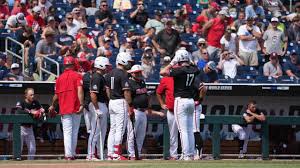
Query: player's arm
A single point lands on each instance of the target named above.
(94, 90)
(159, 94)
(127, 95)
(248, 119)
(202, 92)
(80, 97)
(53, 105)
(260, 117)
(166, 70)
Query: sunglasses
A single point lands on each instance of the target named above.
(141, 4)
(104, 5)
(201, 44)
(205, 53)
(70, 18)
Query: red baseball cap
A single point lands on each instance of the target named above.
(68, 60)
(215, 5)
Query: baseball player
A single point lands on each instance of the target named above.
(69, 94)
(141, 106)
(32, 107)
(250, 115)
(184, 106)
(120, 100)
(166, 87)
(87, 99)
(200, 91)
(98, 108)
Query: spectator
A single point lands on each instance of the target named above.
(228, 64)
(208, 74)
(31, 5)
(27, 38)
(15, 73)
(248, 35)
(20, 7)
(274, 38)
(45, 47)
(139, 15)
(72, 28)
(84, 34)
(35, 21)
(203, 3)
(4, 12)
(51, 24)
(167, 40)
(112, 35)
(127, 45)
(205, 16)
(148, 62)
(146, 39)
(3, 68)
(44, 5)
(229, 41)
(131, 35)
(103, 15)
(156, 22)
(291, 16)
(105, 50)
(240, 21)
(204, 58)
(255, 10)
(250, 115)
(196, 55)
(233, 8)
(180, 21)
(167, 15)
(63, 38)
(214, 29)
(78, 18)
(294, 30)
(292, 66)
(16, 22)
(273, 68)
(274, 6)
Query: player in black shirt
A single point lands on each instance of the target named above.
(140, 103)
(87, 99)
(33, 108)
(184, 106)
(98, 109)
(251, 114)
(120, 100)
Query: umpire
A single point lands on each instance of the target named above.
(69, 94)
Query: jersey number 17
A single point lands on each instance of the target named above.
(189, 79)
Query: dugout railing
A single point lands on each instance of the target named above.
(216, 121)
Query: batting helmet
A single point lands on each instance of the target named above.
(182, 56)
(123, 58)
(101, 62)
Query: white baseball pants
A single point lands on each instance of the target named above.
(70, 123)
(87, 119)
(139, 131)
(173, 129)
(27, 135)
(184, 109)
(243, 133)
(196, 118)
(118, 112)
(98, 125)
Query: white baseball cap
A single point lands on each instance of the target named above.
(36, 9)
(21, 18)
(274, 19)
(136, 68)
(201, 40)
(147, 48)
(14, 66)
(224, 12)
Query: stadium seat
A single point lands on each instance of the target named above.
(224, 79)
(247, 70)
(265, 79)
(287, 79)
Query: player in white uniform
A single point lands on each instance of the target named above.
(33, 108)
(184, 107)
(120, 100)
(98, 109)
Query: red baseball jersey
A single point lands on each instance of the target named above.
(66, 89)
(166, 86)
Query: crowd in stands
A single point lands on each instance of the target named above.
(247, 40)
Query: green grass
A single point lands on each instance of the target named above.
(160, 164)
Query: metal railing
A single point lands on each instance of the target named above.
(216, 121)
(43, 70)
(11, 52)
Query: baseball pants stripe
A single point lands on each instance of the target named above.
(196, 118)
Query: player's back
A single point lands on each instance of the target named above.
(117, 81)
(183, 81)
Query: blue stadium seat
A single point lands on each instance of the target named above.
(265, 79)
(287, 79)
(247, 70)
(224, 79)
(243, 79)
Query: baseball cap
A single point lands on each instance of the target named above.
(293, 53)
(107, 39)
(274, 19)
(83, 26)
(147, 48)
(131, 29)
(76, 10)
(273, 55)
(167, 58)
(50, 18)
(224, 12)
(69, 60)
(158, 13)
(201, 40)
(136, 68)
(212, 65)
(215, 5)
(21, 18)
(36, 9)
(3, 56)
(14, 66)
(23, 2)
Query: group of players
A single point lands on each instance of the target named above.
(180, 93)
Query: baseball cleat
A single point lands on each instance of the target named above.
(120, 157)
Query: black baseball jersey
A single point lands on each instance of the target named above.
(86, 88)
(98, 85)
(138, 93)
(196, 86)
(257, 111)
(24, 108)
(117, 81)
(183, 80)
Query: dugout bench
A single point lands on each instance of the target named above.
(216, 121)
